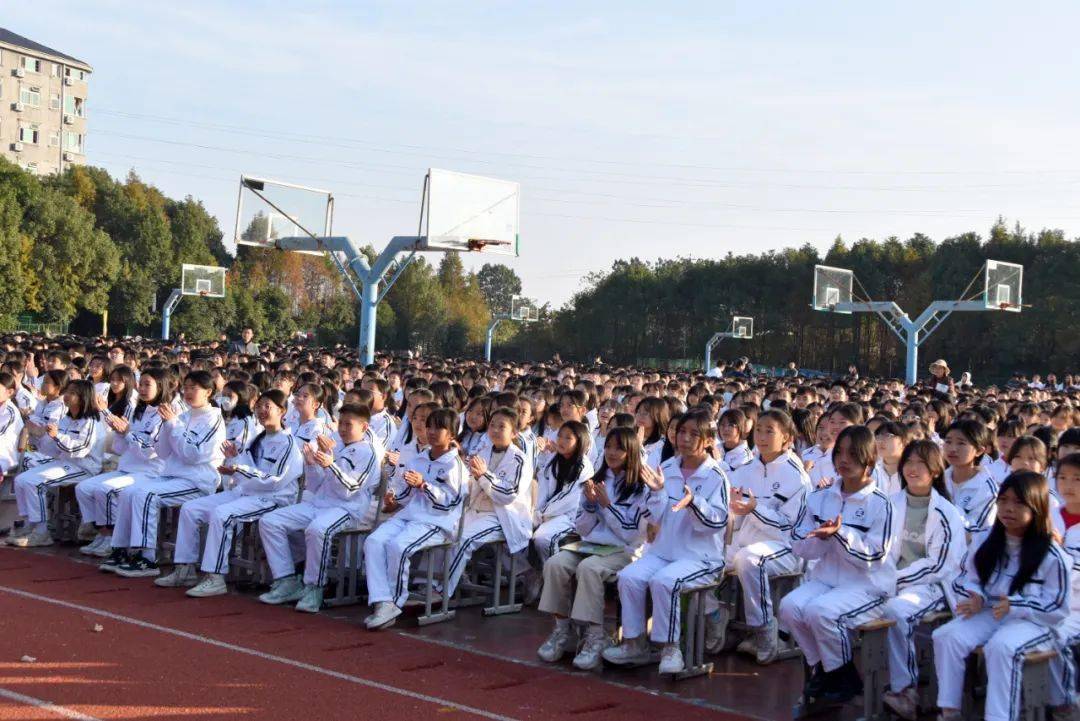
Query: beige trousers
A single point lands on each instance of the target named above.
(586, 603)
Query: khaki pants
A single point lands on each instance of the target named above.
(587, 604)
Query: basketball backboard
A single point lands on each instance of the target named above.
(270, 209)
(469, 213)
(1004, 284)
(742, 327)
(523, 309)
(207, 281)
(832, 286)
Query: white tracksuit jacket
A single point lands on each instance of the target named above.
(946, 544)
(738, 456)
(43, 414)
(242, 431)
(138, 447)
(11, 425)
(81, 442)
(439, 503)
(781, 488)
(976, 499)
(620, 524)
(551, 504)
(349, 482)
(383, 426)
(696, 532)
(191, 447)
(509, 486)
(271, 468)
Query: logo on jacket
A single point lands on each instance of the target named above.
(860, 512)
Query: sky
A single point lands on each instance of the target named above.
(655, 130)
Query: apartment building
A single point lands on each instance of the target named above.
(42, 105)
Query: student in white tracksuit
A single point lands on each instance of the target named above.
(340, 487)
(308, 419)
(80, 444)
(383, 425)
(558, 490)
(768, 494)
(48, 411)
(191, 445)
(689, 503)
(235, 403)
(431, 493)
(11, 425)
(846, 529)
(257, 481)
(891, 439)
(136, 442)
(970, 486)
(928, 549)
(403, 452)
(499, 505)
(732, 436)
(1063, 673)
(1006, 613)
(477, 414)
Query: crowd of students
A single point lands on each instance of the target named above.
(891, 501)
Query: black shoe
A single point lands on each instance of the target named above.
(138, 567)
(116, 559)
(844, 684)
(815, 684)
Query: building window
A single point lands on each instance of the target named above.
(54, 101)
(31, 96)
(73, 141)
(31, 65)
(28, 134)
(55, 70)
(54, 139)
(75, 73)
(74, 106)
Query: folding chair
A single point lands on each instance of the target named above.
(347, 558)
(472, 593)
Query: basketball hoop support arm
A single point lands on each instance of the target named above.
(495, 320)
(167, 311)
(911, 333)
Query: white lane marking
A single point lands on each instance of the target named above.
(259, 654)
(45, 705)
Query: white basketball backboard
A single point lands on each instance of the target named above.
(469, 213)
(270, 209)
(523, 309)
(742, 327)
(832, 286)
(1004, 285)
(203, 280)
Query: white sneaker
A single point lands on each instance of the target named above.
(16, 532)
(385, 615)
(590, 657)
(671, 660)
(311, 601)
(631, 652)
(213, 584)
(183, 575)
(34, 539)
(716, 624)
(284, 590)
(105, 549)
(86, 532)
(91, 548)
(561, 642)
(768, 643)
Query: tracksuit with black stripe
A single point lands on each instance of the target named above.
(80, 446)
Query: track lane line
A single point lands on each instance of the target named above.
(45, 705)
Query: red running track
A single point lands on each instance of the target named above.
(161, 655)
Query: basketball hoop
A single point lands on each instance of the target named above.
(203, 293)
(477, 245)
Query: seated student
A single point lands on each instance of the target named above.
(397, 459)
(25, 399)
(474, 434)
(191, 445)
(890, 438)
(768, 494)
(80, 444)
(258, 480)
(1015, 595)
(928, 552)
(652, 417)
(844, 415)
(11, 424)
(558, 490)
(234, 400)
(1007, 433)
(430, 493)
(822, 448)
(499, 503)
(49, 410)
(732, 434)
(689, 504)
(308, 418)
(613, 513)
(339, 495)
(136, 442)
(383, 424)
(846, 528)
(970, 486)
(1068, 444)
(1063, 680)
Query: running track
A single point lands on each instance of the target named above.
(160, 655)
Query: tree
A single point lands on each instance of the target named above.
(498, 284)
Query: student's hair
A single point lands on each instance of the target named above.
(928, 452)
(850, 411)
(316, 391)
(781, 418)
(736, 418)
(1037, 447)
(1010, 428)
(1072, 461)
(59, 378)
(383, 387)
(7, 380)
(621, 420)
(566, 470)
(84, 391)
(485, 409)
(863, 449)
(626, 438)
(202, 379)
(444, 418)
(660, 415)
(705, 426)
(165, 390)
(244, 394)
(1032, 491)
(359, 411)
(279, 399)
(976, 433)
(509, 414)
(1071, 437)
(118, 402)
(331, 399)
(804, 426)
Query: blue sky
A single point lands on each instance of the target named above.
(647, 129)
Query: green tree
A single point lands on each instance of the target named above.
(498, 284)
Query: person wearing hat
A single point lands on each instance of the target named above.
(940, 378)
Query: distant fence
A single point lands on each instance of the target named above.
(28, 324)
(694, 364)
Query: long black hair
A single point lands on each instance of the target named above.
(566, 470)
(165, 390)
(631, 483)
(243, 394)
(1034, 492)
(119, 402)
(929, 453)
(84, 391)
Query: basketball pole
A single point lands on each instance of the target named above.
(495, 320)
(167, 311)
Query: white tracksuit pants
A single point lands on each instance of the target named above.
(319, 526)
(821, 619)
(97, 496)
(665, 581)
(139, 509)
(32, 487)
(222, 513)
(907, 609)
(478, 529)
(755, 564)
(549, 534)
(1063, 681)
(1004, 644)
(387, 552)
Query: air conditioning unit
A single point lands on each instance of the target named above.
(69, 81)
(19, 73)
(17, 147)
(17, 107)
(68, 157)
(69, 120)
